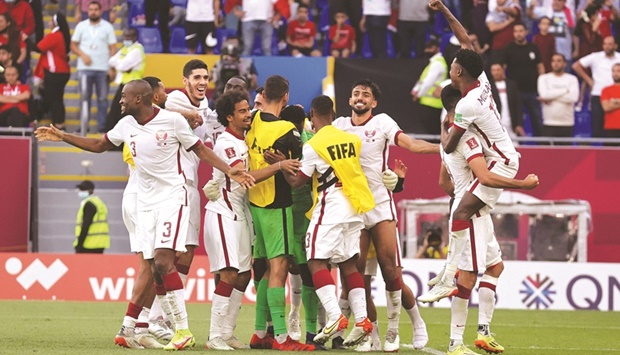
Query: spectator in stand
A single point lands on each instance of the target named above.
(610, 100)
(524, 65)
(508, 101)
(22, 14)
(412, 26)
(10, 36)
(601, 64)
(586, 39)
(353, 9)
(201, 19)
(426, 88)
(108, 11)
(300, 35)
(432, 246)
(257, 16)
(6, 61)
(376, 15)
(53, 68)
(562, 24)
(177, 16)
(558, 91)
(478, 22)
(126, 65)
(94, 42)
(342, 37)
(501, 23)
(545, 42)
(161, 8)
(14, 98)
(232, 64)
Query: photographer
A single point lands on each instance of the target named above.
(432, 247)
(231, 64)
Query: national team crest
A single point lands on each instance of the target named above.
(161, 137)
(472, 143)
(230, 152)
(370, 134)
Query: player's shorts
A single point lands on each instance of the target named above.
(483, 249)
(384, 211)
(300, 227)
(274, 231)
(193, 232)
(163, 228)
(197, 32)
(130, 213)
(335, 242)
(490, 195)
(227, 242)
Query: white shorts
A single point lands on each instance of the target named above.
(130, 213)
(335, 242)
(228, 242)
(483, 249)
(193, 232)
(163, 228)
(490, 195)
(372, 265)
(384, 211)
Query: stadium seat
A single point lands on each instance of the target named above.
(136, 2)
(222, 34)
(323, 24)
(150, 39)
(441, 24)
(181, 3)
(135, 17)
(445, 39)
(177, 41)
(322, 5)
(367, 53)
(583, 124)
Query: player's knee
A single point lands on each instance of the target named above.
(495, 270)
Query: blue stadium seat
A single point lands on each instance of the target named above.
(445, 39)
(323, 24)
(222, 34)
(135, 17)
(181, 3)
(441, 24)
(177, 41)
(322, 5)
(583, 123)
(136, 2)
(150, 39)
(367, 53)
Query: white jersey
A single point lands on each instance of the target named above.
(233, 203)
(456, 163)
(156, 149)
(132, 182)
(179, 100)
(478, 110)
(333, 206)
(377, 133)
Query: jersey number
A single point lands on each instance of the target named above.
(168, 230)
(132, 147)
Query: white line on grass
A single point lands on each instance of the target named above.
(424, 350)
(560, 348)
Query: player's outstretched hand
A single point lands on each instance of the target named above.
(400, 169)
(436, 5)
(195, 120)
(390, 179)
(212, 190)
(50, 133)
(246, 180)
(290, 166)
(273, 157)
(531, 181)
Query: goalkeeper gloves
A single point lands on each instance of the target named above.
(390, 179)
(212, 190)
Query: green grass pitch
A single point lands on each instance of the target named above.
(56, 327)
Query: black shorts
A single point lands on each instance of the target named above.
(304, 51)
(197, 32)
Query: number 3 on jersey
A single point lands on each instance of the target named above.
(132, 148)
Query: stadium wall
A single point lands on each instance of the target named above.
(532, 285)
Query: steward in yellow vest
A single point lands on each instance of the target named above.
(91, 226)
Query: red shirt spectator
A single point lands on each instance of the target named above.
(612, 118)
(301, 32)
(14, 100)
(345, 39)
(546, 45)
(53, 54)
(502, 36)
(22, 14)
(15, 90)
(300, 35)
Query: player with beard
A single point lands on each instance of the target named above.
(377, 133)
(154, 137)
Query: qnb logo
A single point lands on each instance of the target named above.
(36, 272)
(538, 292)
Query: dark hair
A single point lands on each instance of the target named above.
(276, 87)
(376, 92)
(259, 90)
(544, 18)
(225, 104)
(450, 97)
(520, 24)
(63, 26)
(153, 81)
(294, 114)
(322, 105)
(303, 6)
(245, 81)
(560, 54)
(14, 36)
(470, 61)
(133, 30)
(5, 47)
(192, 65)
(96, 3)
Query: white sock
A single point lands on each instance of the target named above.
(156, 311)
(345, 307)
(176, 299)
(129, 323)
(486, 296)
(327, 296)
(219, 310)
(357, 299)
(458, 242)
(296, 283)
(458, 320)
(165, 307)
(234, 306)
(321, 316)
(394, 303)
(142, 326)
(375, 336)
(416, 318)
(183, 279)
